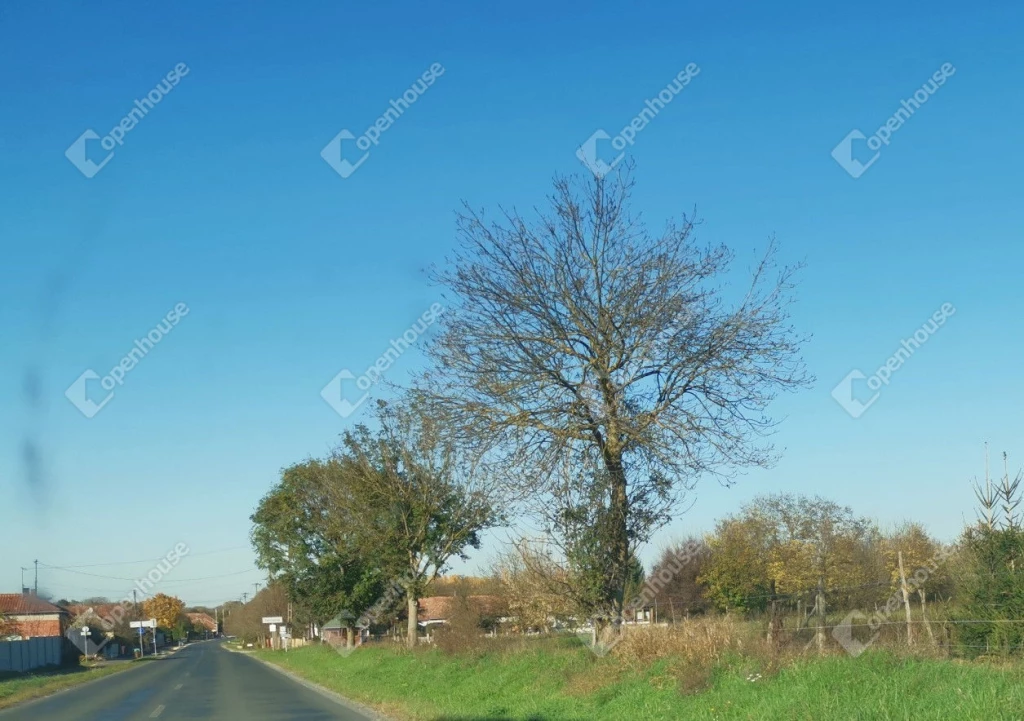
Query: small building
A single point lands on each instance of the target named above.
(335, 633)
(29, 616)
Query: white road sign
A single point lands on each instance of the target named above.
(273, 619)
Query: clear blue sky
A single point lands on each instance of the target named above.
(219, 199)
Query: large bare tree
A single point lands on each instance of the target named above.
(601, 363)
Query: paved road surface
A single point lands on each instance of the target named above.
(202, 681)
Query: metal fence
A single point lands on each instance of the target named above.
(31, 654)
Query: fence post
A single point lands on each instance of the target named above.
(819, 602)
(906, 599)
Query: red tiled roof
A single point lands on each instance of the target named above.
(18, 604)
(439, 608)
(100, 610)
(203, 619)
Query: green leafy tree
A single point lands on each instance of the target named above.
(301, 543)
(736, 572)
(411, 497)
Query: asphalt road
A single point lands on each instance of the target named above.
(202, 681)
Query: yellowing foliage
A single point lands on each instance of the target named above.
(165, 609)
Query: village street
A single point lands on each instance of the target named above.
(201, 681)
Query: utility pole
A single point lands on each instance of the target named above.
(21, 588)
(135, 607)
(256, 588)
(244, 596)
(36, 592)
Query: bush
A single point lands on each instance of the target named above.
(463, 632)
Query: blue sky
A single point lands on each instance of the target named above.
(219, 199)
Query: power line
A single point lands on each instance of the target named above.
(148, 560)
(133, 580)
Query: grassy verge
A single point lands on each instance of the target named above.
(18, 688)
(561, 680)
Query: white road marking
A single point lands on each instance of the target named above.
(178, 686)
(157, 712)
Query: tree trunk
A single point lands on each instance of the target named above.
(412, 630)
(620, 540)
(906, 599)
(349, 642)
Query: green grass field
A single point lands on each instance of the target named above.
(18, 688)
(563, 680)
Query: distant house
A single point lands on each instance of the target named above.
(82, 613)
(31, 617)
(437, 610)
(335, 633)
(204, 620)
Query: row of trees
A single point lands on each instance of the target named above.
(808, 557)
(387, 510)
(585, 373)
(780, 547)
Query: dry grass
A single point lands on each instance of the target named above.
(703, 641)
(696, 649)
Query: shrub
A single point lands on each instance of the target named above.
(463, 632)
